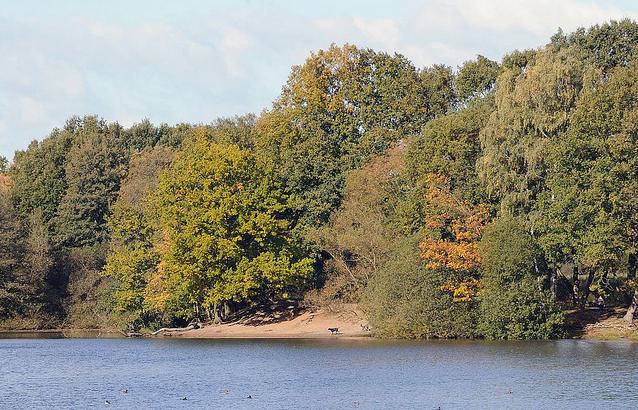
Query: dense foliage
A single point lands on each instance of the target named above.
(471, 202)
(406, 299)
(513, 304)
(225, 233)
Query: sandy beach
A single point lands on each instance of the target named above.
(309, 324)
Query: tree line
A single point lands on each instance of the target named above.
(481, 201)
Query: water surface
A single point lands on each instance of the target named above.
(332, 374)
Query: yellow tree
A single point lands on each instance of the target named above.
(225, 233)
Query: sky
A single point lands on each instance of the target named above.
(194, 60)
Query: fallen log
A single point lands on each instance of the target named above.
(176, 329)
(173, 329)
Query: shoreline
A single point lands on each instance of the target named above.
(101, 334)
(309, 324)
(306, 325)
(316, 324)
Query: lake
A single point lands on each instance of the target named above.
(316, 374)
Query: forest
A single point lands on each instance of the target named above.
(481, 201)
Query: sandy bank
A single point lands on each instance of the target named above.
(309, 324)
(593, 323)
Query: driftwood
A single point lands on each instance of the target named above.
(177, 329)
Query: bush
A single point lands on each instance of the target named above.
(519, 311)
(512, 305)
(404, 300)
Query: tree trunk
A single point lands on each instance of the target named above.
(629, 316)
(216, 319)
(552, 282)
(633, 264)
(576, 285)
(631, 275)
(585, 291)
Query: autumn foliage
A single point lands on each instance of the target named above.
(454, 228)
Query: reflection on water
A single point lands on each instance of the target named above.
(158, 373)
(60, 334)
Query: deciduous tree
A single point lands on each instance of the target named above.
(225, 233)
(453, 229)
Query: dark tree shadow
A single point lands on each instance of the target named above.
(576, 321)
(267, 314)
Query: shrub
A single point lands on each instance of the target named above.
(512, 304)
(405, 300)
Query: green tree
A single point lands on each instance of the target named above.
(239, 130)
(605, 46)
(145, 135)
(439, 92)
(25, 261)
(225, 233)
(512, 305)
(359, 234)
(533, 106)
(449, 146)
(39, 261)
(10, 253)
(39, 175)
(338, 109)
(588, 215)
(476, 79)
(134, 225)
(94, 167)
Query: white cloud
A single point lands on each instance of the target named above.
(381, 31)
(436, 53)
(158, 44)
(31, 111)
(233, 46)
(195, 66)
(539, 16)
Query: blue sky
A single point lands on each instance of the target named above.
(194, 60)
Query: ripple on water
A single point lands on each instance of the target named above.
(158, 373)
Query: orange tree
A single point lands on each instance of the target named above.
(453, 228)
